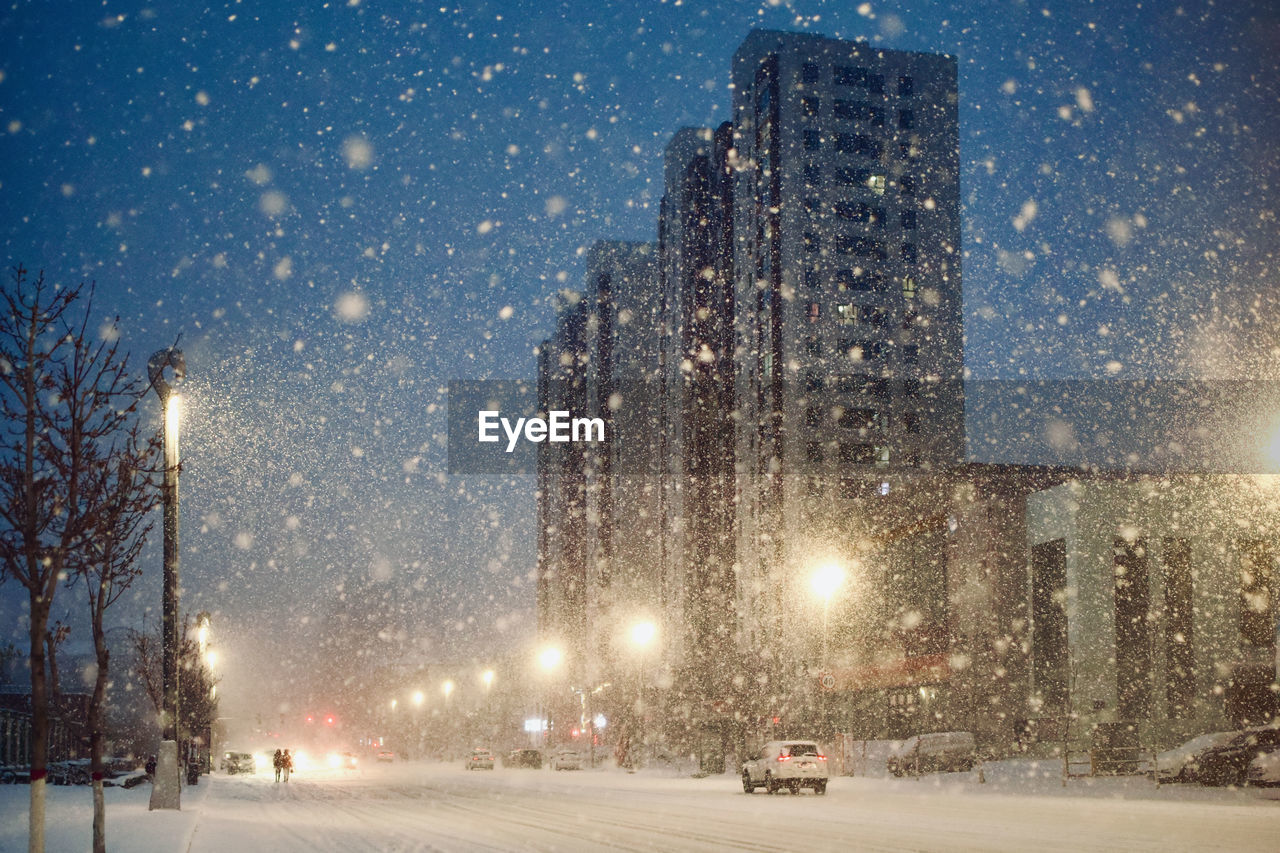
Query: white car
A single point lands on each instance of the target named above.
(1181, 763)
(790, 764)
(1264, 770)
(936, 751)
(566, 759)
(480, 759)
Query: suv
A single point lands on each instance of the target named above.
(932, 752)
(790, 764)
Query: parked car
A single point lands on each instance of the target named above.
(1228, 763)
(790, 764)
(1264, 770)
(386, 755)
(523, 758)
(480, 759)
(1182, 763)
(238, 762)
(74, 771)
(566, 759)
(933, 752)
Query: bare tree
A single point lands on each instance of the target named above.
(123, 491)
(63, 400)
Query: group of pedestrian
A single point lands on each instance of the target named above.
(283, 762)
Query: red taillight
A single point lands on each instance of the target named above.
(821, 757)
(784, 757)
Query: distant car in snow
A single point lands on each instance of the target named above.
(790, 764)
(1228, 763)
(523, 758)
(386, 755)
(566, 759)
(238, 762)
(1182, 763)
(480, 759)
(933, 752)
(1264, 770)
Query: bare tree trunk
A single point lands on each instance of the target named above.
(39, 725)
(96, 736)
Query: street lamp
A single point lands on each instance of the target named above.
(549, 658)
(642, 634)
(825, 581)
(166, 792)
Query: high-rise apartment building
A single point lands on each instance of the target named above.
(847, 305)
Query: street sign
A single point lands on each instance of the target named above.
(828, 681)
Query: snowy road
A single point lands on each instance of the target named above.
(438, 807)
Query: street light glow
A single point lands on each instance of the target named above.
(642, 633)
(448, 689)
(550, 657)
(487, 678)
(172, 420)
(827, 579)
(419, 697)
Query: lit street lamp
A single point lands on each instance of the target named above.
(166, 792)
(549, 658)
(642, 634)
(825, 581)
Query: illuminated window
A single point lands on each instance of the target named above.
(877, 184)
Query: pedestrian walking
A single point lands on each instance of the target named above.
(286, 764)
(278, 762)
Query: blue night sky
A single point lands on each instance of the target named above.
(342, 206)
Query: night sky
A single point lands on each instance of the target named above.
(340, 207)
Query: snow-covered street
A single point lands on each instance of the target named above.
(419, 806)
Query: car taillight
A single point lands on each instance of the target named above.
(784, 757)
(821, 757)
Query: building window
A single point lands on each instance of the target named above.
(911, 354)
(813, 346)
(810, 106)
(1049, 622)
(1180, 679)
(812, 174)
(857, 454)
(910, 387)
(907, 185)
(877, 184)
(813, 450)
(858, 279)
(813, 417)
(863, 247)
(812, 381)
(812, 279)
(815, 311)
(810, 74)
(860, 211)
(847, 75)
(1257, 596)
(858, 111)
(859, 144)
(906, 119)
(1133, 644)
(907, 151)
(908, 218)
(812, 140)
(910, 423)
(859, 419)
(909, 253)
(906, 87)
(812, 242)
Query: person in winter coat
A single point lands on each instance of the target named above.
(286, 764)
(277, 761)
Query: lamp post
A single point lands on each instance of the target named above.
(642, 634)
(486, 678)
(166, 793)
(825, 581)
(549, 658)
